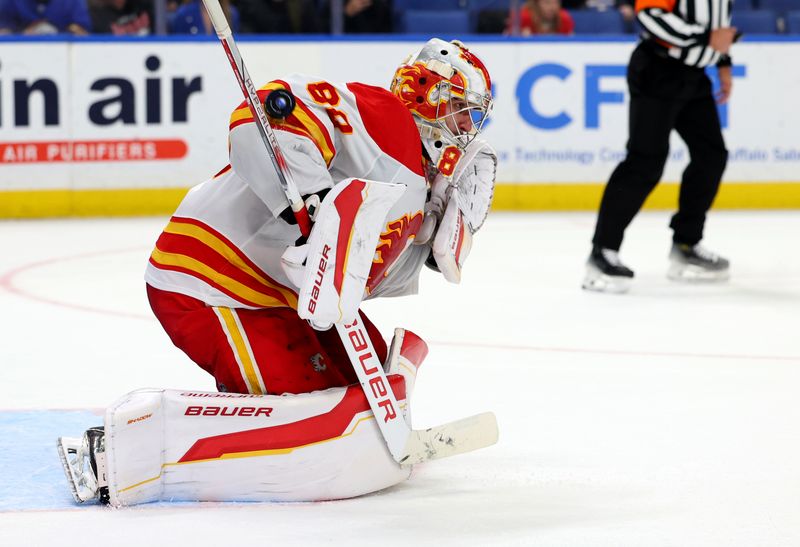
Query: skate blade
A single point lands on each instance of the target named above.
(67, 446)
(687, 273)
(68, 452)
(597, 281)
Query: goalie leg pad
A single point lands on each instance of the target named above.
(197, 446)
(406, 354)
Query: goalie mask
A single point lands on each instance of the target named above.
(448, 91)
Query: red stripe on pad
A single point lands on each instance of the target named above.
(293, 435)
(347, 204)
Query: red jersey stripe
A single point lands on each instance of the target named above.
(190, 253)
(196, 247)
(258, 302)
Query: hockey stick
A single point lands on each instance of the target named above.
(407, 446)
(225, 36)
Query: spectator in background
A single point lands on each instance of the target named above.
(360, 16)
(543, 17)
(625, 7)
(122, 17)
(34, 17)
(192, 18)
(279, 16)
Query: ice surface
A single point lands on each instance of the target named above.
(665, 417)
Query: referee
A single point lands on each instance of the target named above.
(669, 90)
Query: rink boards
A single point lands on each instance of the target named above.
(125, 127)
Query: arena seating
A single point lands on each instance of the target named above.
(792, 22)
(453, 17)
(756, 21)
(598, 22)
(435, 22)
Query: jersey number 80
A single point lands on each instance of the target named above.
(325, 94)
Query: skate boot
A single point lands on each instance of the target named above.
(694, 263)
(606, 273)
(84, 462)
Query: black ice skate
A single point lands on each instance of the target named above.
(606, 273)
(84, 462)
(695, 263)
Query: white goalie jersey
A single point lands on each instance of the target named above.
(224, 243)
(381, 206)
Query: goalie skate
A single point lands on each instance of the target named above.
(84, 465)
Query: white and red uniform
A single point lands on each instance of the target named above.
(215, 279)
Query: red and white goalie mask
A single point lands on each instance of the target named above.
(448, 91)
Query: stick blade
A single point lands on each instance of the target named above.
(450, 439)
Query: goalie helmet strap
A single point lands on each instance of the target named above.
(440, 68)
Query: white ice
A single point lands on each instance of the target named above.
(669, 416)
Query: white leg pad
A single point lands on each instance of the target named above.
(196, 446)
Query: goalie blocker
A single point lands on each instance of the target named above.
(197, 446)
(332, 269)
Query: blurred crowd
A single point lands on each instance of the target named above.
(136, 17)
(531, 17)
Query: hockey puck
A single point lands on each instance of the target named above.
(279, 104)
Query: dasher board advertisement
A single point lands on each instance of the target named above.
(142, 116)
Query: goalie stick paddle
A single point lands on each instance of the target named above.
(407, 446)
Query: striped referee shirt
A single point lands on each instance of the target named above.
(684, 26)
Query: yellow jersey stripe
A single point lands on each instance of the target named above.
(213, 242)
(316, 131)
(231, 285)
(240, 114)
(241, 351)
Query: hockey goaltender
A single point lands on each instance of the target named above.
(311, 403)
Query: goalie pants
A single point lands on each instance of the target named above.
(665, 95)
(264, 351)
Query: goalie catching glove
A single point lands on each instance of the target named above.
(458, 207)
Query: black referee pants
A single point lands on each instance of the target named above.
(665, 95)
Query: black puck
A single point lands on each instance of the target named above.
(279, 103)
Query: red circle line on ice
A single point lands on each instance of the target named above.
(7, 283)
